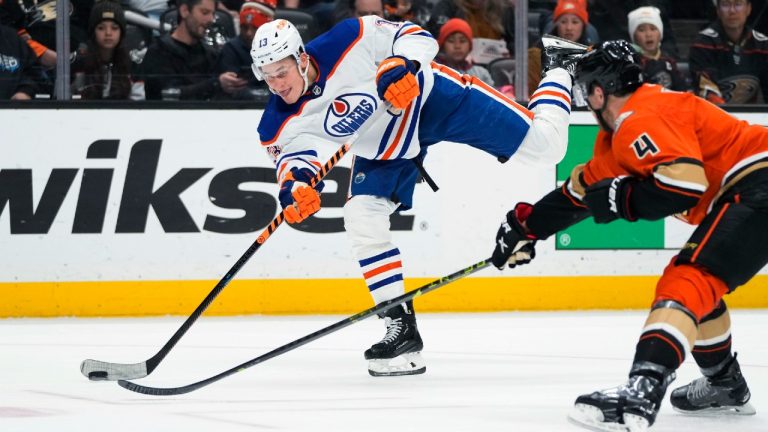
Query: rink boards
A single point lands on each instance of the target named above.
(140, 212)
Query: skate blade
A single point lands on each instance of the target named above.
(405, 364)
(726, 411)
(590, 417)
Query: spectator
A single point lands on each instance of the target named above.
(344, 9)
(488, 19)
(571, 21)
(610, 16)
(17, 78)
(179, 65)
(235, 58)
(455, 41)
(102, 70)
(18, 15)
(322, 10)
(659, 67)
(729, 60)
(415, 11)
(369, 7)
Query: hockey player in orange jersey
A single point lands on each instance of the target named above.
(661, 153)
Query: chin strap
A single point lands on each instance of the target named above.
(304, 73)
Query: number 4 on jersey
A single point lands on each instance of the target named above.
(644, 145)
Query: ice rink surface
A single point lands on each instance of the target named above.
(485, 372)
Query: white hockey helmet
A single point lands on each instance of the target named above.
(273, 42)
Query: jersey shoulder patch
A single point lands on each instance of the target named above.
(759, 36)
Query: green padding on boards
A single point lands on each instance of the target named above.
(587, 234)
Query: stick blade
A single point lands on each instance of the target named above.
(160, 391)
(96, 370)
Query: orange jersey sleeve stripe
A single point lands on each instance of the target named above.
(382, 269)
(553, 94)
(466, 79)
(413, 29)
(497, 94)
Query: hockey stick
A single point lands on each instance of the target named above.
(381, 307)
(96, 370)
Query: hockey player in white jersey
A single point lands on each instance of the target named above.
(325, 91)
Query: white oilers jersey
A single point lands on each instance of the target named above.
(344, 96)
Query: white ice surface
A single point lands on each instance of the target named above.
(485, 372)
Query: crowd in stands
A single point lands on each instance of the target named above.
(199, 49)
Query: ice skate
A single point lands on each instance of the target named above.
(559, 52)
(399, 353)
(725, 393)
(631, 407)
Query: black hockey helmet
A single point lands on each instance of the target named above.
(613, 65)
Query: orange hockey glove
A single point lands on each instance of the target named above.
(396, 81)
(306, 203)
(298, 199)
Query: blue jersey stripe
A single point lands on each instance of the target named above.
(553, 84)
(550, 102)
(294, 154)
(309, 164)
(379, 257)
(386, 136)
(384, 282)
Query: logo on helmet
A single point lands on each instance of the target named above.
(347, 113)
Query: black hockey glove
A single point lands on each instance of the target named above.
(608, 199)
(513, 246)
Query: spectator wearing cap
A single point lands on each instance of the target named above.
(570, 20)
(455, 40)
(728, 59)
(646, 31)
(235, 58)
(102, 68)
(610, 16)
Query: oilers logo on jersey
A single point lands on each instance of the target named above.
(346, 113)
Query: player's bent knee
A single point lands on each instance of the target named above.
(692, 288)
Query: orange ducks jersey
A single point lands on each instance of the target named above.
(686, 144)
